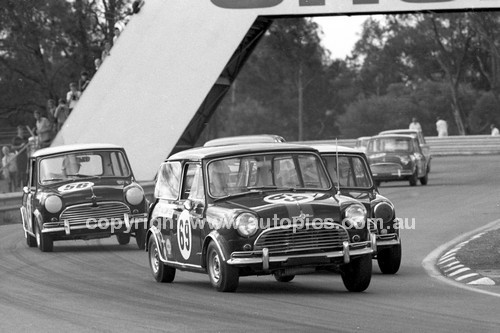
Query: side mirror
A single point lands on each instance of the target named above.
(188, 205)
(26, 190)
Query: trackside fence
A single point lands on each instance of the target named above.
(446, 146)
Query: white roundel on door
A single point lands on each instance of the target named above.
(184, 239)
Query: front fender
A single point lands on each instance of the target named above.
(158, 238)
(38, 220)
(221, 244)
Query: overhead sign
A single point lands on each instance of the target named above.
(351, 6)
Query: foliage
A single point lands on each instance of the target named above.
(406, 65)
(44, 45)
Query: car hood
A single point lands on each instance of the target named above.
(277, 206)
(88, 191)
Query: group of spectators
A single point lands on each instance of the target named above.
(15, 156)
(442, 127)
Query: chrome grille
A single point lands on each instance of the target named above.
(385, 168)
(79, 214)
(283, 240)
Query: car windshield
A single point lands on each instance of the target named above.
(237, 175)
(388, 145)
(83, 164)
(350, 171)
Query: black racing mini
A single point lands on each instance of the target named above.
(255, 209)
(350, 172)
(82, 191)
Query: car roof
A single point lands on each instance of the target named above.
(73, 147)
(399, 131)
(363, 138)
(328, 147)
(389, 135)
(240, 139)
(227, 150)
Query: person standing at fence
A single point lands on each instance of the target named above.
(62, 113)
(43, 129)
(415, 125)
(441, 127)
(9, 168)
(494, 130)
(73, 96)
(19, 145)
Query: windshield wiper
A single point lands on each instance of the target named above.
(79, 175)
(52, 180)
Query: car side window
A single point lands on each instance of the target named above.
(192, 187)
(168, 181)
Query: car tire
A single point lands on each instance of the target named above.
(414, 179)
(44, 242)
(161, 272)
(123, 239)
(140, 237)
(389, 260)
(357, 274)
(30, 240)
(223, 277)
(424, 179)
(283, 278)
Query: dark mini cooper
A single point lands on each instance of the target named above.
(396, 157)
(351, 175)
(82, 191)
(255, 209)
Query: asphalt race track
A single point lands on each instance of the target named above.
(102, 286)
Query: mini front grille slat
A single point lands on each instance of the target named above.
(284, 240)
(80, 214)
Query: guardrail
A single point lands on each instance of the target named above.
(450, 145)
(446, 146)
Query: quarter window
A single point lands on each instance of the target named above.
(168, 181)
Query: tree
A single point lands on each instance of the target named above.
(42, 49)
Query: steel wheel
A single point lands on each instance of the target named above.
(160, 271)
(223, 277)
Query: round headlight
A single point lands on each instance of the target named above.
(355, 214)
(246, 224)
(383, 211)
(405, 159)
(53, 204)
(134, 196)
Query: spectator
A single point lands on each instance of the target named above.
(106, 50)
(136, 6)
(72, 96)
(9, 168)
(494, 130)
(51, 109)
(43, 130)
(62, 113)
(441, 127)
(19, 145)
(84, 81)
(117, 32)
(415, 125)
(97, 63)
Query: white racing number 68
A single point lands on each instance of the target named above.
(184, 238)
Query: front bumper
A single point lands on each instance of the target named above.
(126, 224)
(388, 171)
(264, 259)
